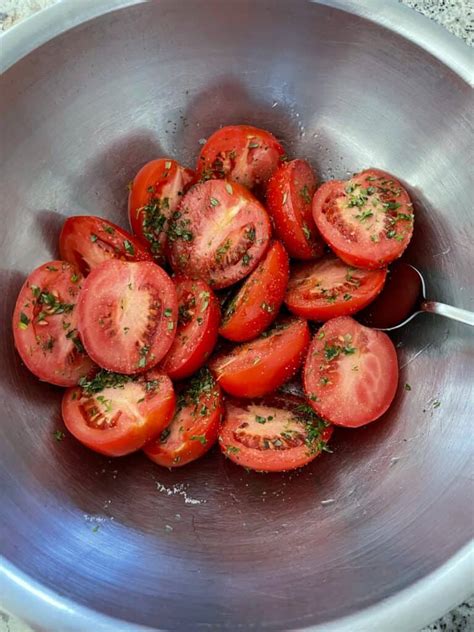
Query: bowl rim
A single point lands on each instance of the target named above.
(410, 608)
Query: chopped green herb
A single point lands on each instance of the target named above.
(35, 290)
(436, 403)
(168, 164)
(178, 228)
(168, 312)
(304, 192)
(320, 334)
(59, 435)
(52, 268)
(267, 307)
(221, 251)
(128, 247)
(391, 234)
(250, 234)
(306, 231)
(214, 201)
(364, 215)
(231, 449)
(246, 259)
(93, 237)
(104, 379)
(324, 380)
(24, 321)
(206, 297)
(108, 229)
(347, 297)
(95, 529)
(74, 278)
(170, 325)
(260, 420)
(253, 145)
(392, 206)
(407, 387)
(201, 438)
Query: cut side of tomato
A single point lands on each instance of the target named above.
(289, 196)
(45, 325)
(367, 221)
(155, 194)
(196, 335)
(351, 373)
(272, 434)
(117, 414)
(127, 315)
(242, 153)
(195, 425)
(259, 367)
(219, 234)
(87, 241)
(328, 288)
(257, 303)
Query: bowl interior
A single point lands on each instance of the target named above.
(213, 544)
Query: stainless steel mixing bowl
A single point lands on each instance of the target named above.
(372, 537)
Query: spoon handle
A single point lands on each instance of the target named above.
(455, 313)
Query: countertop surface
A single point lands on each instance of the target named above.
(455, 15)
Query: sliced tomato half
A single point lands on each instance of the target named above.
(273, 434)
(127, 315)
(367, 221)
(195, 425)
(219, 234)
(45, 326)
(351, 373)
(117, 414)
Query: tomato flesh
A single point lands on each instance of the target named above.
(257, 303)
(351, 373)
(117, 414)
(127, 315)
(195, 425)
(45, 324)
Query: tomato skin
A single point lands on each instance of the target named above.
(257, 303)
(351, 373)
(87, 241)
(194, 428)
(275, 443)
(219, 234)
(256, 368)
(341, 290)
(155, 194)
(45, 324)
(127, 315)
(289, 197)
(197, 328)
(243, 153)
(367, 221)
(141, 421)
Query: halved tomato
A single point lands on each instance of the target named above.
(329, 287)
(257, 303)
(155, 194)
(367, 221)
(259, 367)
(245, 154)
(290, 193)
(45, 324)
(219, 234)
(273, 434)
(117, 414)
(351, 373)
(195, 425)
(86, 241)
(127, 315)
(196, 334)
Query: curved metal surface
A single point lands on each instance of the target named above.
(212, 545)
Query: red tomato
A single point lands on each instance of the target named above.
(155, 194)
(45, 324)
(259, 367)
(257, 303)
(196, 334)
(290, 192)
(86, 241)
(195, 426)
(329, 287)
(117, 414)
(245, 154)
(273, 434)
(351, 373)
(367, 221)
(219, 234)
(127, 315)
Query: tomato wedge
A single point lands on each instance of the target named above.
(196, 335)
(351, 373)
(127, 314)
(290, 193)
(245, 154)
(155, 194)
(329, 288)
(86, 241)
(367, 221)
(256, 368)
(273, 434)
(219, 234)
(195, 425)
(257, 303)
(117, 414)
(45, 324)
